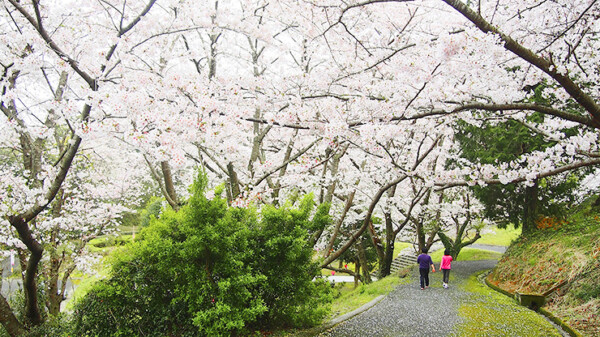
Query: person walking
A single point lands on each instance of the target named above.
(424, 262)
(445, 266)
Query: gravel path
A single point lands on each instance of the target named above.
(409, 311)
(494, 248)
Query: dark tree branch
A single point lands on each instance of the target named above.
(545, 65)
(558, 170)
(301, 152)
(584, 120)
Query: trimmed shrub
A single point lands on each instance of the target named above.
(211, 270)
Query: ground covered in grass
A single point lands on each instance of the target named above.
(499, 236)
(563, 256)
(350, 298)
(490, 313)
(468, 254)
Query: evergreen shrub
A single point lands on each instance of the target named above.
(211, 270)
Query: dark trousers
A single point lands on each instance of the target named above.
(446, 275)
(424, 277)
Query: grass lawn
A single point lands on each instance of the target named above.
(350, 298)
(499, 236)
(468, 254)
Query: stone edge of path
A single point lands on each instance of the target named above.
(558, 323)
(337, 320)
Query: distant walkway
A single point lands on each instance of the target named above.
(499, 249)
(433, 312)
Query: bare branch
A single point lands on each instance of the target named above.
(37, 24)
(547, 66)
(558, 170)
(301, 152)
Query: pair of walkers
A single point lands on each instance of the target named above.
(425, 262)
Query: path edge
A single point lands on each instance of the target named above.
(337, 320)
(542, 311)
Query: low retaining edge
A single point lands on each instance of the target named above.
(543, 311)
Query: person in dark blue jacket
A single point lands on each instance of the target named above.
(425, 262)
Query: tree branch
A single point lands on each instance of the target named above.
(566, 168)
(547, 66)
(301, 152)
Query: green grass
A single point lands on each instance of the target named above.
(350, 299)
(85, 283)
(399, 246)
(489, 313)
(105, 244)
(468, 254)
(499, 236)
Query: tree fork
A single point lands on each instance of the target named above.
(366, 222)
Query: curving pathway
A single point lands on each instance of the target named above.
(457, 311)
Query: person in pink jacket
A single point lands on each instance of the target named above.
(445, 266)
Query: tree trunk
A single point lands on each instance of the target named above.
(356, 272)
(282, 171)
(234, 185)
(386, 265)
(32, 310)
(376, 243)
(169, 185)
(362, 258)
(420, 236)
(336, 230)
(54, 300)
(54, 297)
(11, 324)
(531, 209)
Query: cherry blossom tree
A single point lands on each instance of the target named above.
(352, 101)
(51, 80)
(89, 204)
(495, 81)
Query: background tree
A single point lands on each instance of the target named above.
(42, 174)
(502, 143)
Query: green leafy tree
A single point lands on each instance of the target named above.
(152, 210)
(506, 141)
(210, 270)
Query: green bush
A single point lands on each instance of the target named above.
(59, 326)
(152, 210)
(210, 270)
(282, 255)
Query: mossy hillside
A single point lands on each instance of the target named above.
(560, 252)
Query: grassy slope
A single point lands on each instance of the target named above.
(568, 251)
